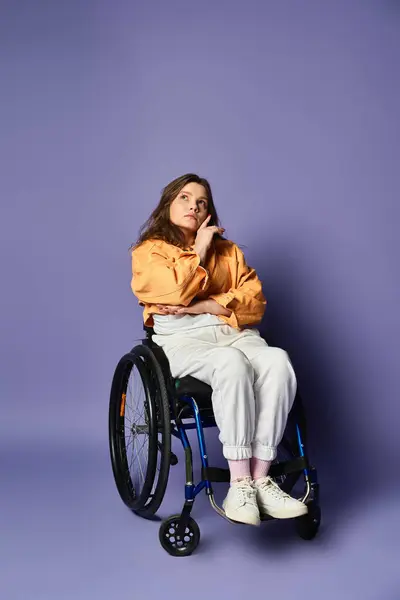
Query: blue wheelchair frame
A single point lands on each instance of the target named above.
(222, 475)
(191, 490)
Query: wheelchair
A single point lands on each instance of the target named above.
(141, 425)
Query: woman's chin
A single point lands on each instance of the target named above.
(190, 227)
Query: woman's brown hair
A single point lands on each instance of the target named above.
(159, 227)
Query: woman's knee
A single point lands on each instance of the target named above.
(236, 363)
(280, 365)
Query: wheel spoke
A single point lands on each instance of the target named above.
(129, 443)
(135, 422)
(140, 465)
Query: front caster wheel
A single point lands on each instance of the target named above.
(307, 525)
(179, 545)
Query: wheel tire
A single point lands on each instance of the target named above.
(146, 502)
(163, 415)
(308, 525)
(175, 546)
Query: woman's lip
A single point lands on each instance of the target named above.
(191, 217)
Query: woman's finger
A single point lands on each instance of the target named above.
(168, 309)
(163, 309)
(205, 222)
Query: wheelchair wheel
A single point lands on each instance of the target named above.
(308, 525)
(140, 431)
(175, 545)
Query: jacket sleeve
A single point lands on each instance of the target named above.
(158, 278)
(246, 300)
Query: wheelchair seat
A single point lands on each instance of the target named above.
(190, 386)
(183, 386)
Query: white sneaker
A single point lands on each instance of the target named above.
(240, 503)
(275, 502)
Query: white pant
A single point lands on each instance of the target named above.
(254, 385)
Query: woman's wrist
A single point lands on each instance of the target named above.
(202, 253)
(217, 309)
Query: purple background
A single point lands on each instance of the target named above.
(291, 109)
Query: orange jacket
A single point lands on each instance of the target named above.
(165, 274)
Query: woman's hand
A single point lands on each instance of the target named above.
(204, 237)
(196, 308)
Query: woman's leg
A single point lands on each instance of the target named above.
(259, 468)
(274, 389)
(231, 377)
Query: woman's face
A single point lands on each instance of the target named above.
(189, 209)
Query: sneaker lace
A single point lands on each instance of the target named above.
(273, 488)
(246, 492)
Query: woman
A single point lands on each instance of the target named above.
(200, 297)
